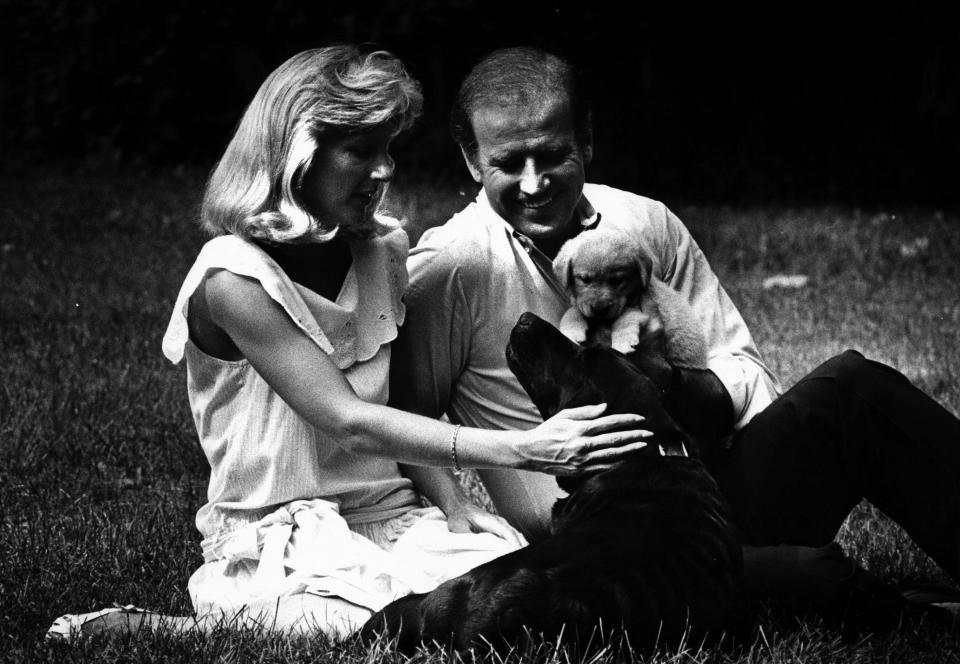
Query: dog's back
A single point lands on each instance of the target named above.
(685, 341)
(645, 547)
(643, 550)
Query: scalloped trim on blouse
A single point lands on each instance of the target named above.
(353, 331)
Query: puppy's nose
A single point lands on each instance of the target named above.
(602, 309)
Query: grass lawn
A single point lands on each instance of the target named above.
(100, 472)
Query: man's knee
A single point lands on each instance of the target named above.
(853, 371)
(848, 364)
(820, 398)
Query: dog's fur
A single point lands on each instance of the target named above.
(616, 300)
(645, 547)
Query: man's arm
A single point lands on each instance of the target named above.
(432, 344)
(733, 357)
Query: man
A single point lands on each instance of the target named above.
(795, 465)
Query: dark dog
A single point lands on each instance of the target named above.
(644, 548)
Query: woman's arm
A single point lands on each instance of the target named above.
(573, 441)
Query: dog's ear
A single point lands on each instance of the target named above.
(563, 265)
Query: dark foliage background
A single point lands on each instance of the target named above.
(832, 101)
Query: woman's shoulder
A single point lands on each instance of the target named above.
(224, 250)
(243, 258)
(237, 277)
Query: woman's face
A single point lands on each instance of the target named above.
(347, 179)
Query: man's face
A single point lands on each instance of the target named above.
(531, 165)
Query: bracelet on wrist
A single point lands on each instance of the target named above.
(453, 448)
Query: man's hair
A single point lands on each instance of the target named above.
(518, 76)
(253, 191)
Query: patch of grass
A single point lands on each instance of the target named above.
(101, 475)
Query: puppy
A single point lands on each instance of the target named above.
(644, 549)
(616, 300)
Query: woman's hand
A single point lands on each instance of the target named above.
(578, 440)
(469, 518)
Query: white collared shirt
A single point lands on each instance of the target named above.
(472, 278)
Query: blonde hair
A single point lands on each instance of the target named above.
(253, 191)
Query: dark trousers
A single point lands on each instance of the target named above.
(851, 429)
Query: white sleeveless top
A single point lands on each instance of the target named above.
(261, 453)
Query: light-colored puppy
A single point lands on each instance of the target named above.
(617, 302)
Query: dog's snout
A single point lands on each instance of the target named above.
(524, 342)
(530, 328)
(527, 319)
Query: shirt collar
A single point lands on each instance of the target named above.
(589, 217)
(585, 212)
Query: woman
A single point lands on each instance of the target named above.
(285, 321)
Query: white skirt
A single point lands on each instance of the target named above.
(303, 569)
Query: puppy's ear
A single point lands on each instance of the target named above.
(563, 265)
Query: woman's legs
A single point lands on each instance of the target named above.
(417, 545)
(123, 622)
(303, 613)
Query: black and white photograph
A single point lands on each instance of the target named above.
(479, 331)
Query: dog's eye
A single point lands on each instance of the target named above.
(584, 278)
(616, 277)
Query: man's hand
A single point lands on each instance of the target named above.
(470, 518)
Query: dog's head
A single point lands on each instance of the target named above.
(604, 270)
(558, 373)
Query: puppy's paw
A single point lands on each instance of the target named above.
(625, 333)
(577, 334)
(574, 326)
(625, 340)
